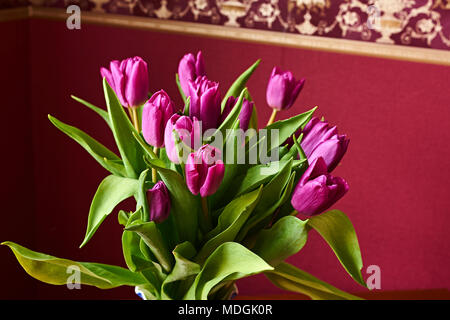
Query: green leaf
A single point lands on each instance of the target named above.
(286, 128)
(274, 194)
(177, 80)
(102, 113)
(153, 239)
(288, 277)
(230, 261)
(187, 105)
(239, 84)
(184, 269)
(260, 174)
(337, 230)
(56, 271)
(233, 116)
(184, 205)
(107, 159)
(130, 150)
(284, 239)
(111, 191)
(230, 222)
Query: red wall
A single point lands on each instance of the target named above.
(395, 113)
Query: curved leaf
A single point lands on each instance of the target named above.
(286, 128)
(184, 269)
(230, 261)
(288, 277)
(107, 159)
(111, 191)
(284, 239)
(56, 271)
(337, 230)
(130, 150)
(102, 113)
(153, 239)
(230, 222)
(240, 83)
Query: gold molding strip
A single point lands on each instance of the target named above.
(397, 52)
(14, 14)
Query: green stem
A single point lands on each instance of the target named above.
(272, 117)
(154, 174)
(206, 213)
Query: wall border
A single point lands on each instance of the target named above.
(396, 52)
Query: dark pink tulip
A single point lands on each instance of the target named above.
(245, 114)
(321, 140)
(159, 202)
(205, 102)
(129, 80)
(187, 129)
(204, 171)
(190, 68)
(317, 190)
(155, 114)
(282, 89)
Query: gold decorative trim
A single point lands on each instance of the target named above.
(397, 52)
(14, 14)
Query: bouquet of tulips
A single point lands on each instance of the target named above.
(217, 199)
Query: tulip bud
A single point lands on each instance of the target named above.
(204, 171)
(159, 202)
(189, 69)
(317, 190)
(245, 114)
(282, 89)
(155, 114)
(321, 140)
(205, 102)
(189, 132)
(129, 80)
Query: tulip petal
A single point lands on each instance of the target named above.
(311, 198)
(317, 168)
(137, 86)
(213, 179)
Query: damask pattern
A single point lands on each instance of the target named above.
(420, 23)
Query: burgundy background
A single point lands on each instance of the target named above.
(395, 113)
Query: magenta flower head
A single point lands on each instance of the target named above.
(129, 80)
(205, 102)
(322, 140)
(190, 68)
(155, 114)
(282, 89)
(204, 171)
(317, 190)
(159, 202)
(245, 114)
(189, 132)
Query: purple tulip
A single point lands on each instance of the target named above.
(205, 102)
(189, 132)
(155, 114)
(282, 89)
(129, 80)
(321, 140)
(204, 171)
(245, 114)
(159, 202)
(317, 190)
(190, 68)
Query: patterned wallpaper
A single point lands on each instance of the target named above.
(420, 23)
